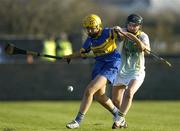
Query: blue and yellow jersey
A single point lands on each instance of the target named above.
(103, 47)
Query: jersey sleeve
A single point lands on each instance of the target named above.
(86, 48)
(145, 39)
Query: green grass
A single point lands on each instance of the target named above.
(53, 116)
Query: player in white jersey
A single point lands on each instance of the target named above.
(132, 70)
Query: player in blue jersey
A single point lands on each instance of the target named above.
(101, 41)
(132, 70)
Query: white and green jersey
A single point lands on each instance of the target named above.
(133, 61)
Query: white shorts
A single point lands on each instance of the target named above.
(121, 80)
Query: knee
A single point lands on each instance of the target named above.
(129, 94)
(88, 92)
(101, 98)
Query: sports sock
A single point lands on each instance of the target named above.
(79, 117)
(115, 113)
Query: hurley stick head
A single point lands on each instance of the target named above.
(10, 49)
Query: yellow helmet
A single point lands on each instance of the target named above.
(92, 21)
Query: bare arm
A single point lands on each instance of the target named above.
(78, 54)
(141, 45)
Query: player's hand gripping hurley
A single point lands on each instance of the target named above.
(148, 51)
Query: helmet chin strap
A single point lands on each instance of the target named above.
(95, 34)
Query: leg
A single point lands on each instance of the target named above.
(105, 101)
(128, 95)
(117, 95)
(95, 85)
(98, 83)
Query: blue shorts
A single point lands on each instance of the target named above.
(106, 69)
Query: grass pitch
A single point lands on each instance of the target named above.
(53, 116)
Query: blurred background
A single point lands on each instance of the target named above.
(40, 25)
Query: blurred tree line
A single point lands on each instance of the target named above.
(23, 17)
(39, 17)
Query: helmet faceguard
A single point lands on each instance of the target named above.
(92, 21)
(134, 18)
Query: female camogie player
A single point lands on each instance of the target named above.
(101, 41)
(131, 74)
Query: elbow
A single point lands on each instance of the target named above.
(147, 50)
(141, 48)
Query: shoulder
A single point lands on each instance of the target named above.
(106, 30)
(143, 35)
